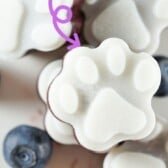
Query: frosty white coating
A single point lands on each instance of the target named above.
(25, 27)
(138, 22)
(112, 109)
(126, 159)
(59, 131)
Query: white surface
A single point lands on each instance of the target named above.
(19, 100)
(88, 112)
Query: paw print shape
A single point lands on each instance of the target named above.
(27, 25)
(139, 23)
(105, 94)
(149, 154)
(58, 131)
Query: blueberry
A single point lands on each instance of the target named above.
(27, 147)
(163, 64)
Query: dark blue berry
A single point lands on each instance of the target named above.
(163, 64)
(27, 147)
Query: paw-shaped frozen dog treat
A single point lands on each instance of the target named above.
(105, 94)
(163, 64)
(126, 159)
(59, 131)
(138, 22)
(27, 25)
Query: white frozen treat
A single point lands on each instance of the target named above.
(138, 22)
(27, 24)
(105, 94)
